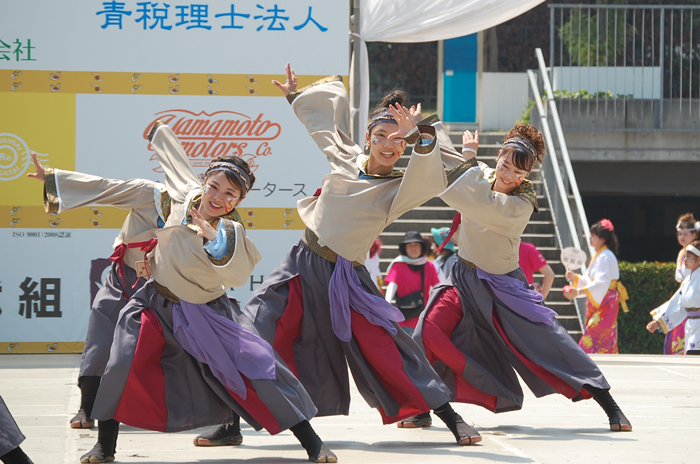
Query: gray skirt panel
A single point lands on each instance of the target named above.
(10, 435)
(108, 301)
(490, 361)
(319, 355)
(193, 396)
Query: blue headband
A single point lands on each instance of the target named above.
(242, 177)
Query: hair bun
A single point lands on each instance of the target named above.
(393, 97)
(530, 133)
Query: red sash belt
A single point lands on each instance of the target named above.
(119, 253)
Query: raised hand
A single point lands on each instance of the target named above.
(470, 143)
(39, 174)
(206, 230)
(416, 112)
(290, 84)
(404, 119)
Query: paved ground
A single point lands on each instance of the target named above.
(660, 395)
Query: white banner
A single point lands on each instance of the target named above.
(82, 82)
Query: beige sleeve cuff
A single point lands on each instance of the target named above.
(456, 173)
(416, 137)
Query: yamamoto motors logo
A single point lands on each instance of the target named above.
(205, 136)
(14, 157)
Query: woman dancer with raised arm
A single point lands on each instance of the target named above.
(149, 205)
(181, 329)
(320, 307)
(484, 323)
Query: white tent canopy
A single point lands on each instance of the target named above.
(411, 21)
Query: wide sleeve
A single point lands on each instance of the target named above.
(670, 314)
(424, 177)
(596, 284)
(323, 108)
(66, 190)
(471, 195)
(180, 179)
(236, 266)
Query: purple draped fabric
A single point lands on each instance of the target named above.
(345, 291)
(693, 313)
(521, 300)
(227, 347)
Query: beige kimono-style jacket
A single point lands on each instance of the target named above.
(180, 262)
(351, 212)
(492, 222)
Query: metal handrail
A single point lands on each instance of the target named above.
(581, 212)
(574, 223)
(552, 156)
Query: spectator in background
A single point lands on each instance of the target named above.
(686, 233)
(531, 260)
(410, 277)
(372, 263)
(682, 308)
(447, 256)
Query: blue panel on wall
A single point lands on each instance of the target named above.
(459, 79)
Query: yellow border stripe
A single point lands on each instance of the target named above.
(135, 83)
(34, 217)
(41, 347)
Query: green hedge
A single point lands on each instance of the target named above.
(648, 285)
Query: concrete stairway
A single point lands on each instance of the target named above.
(540, 230)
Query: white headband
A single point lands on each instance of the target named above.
(697, 227)
(693, 250)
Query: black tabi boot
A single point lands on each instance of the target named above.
(464, 433)
(105, 448)
(222, 435)
(317, 451)
(414, 422)
(618, 421)
(88, 392)
(16, 456)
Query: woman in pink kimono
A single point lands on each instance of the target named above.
(603, 290)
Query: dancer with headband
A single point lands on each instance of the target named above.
(687, 230)
(485, 323)
(320, 308)
(684, 306)
(183, 355)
